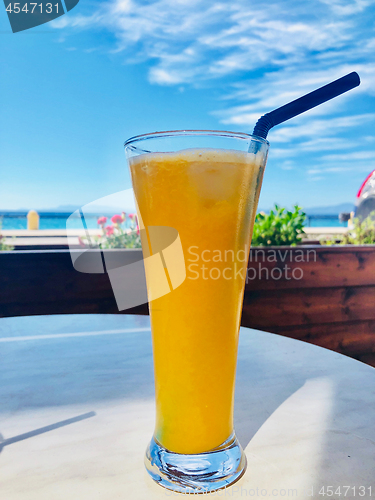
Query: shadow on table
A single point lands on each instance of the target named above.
(42, 430)
(87, 370)
(55, 372)
(264, 381)
(279, 381)
(305, 418)
(347, 455)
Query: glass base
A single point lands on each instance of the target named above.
(198, 473)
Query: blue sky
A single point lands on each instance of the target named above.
(72, 90)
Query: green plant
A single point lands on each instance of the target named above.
(115, 235)
(5, 247)
(279, 227)
(363, 233)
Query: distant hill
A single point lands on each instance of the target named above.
(330, 210)
(69, 209)
(97, 209)
(61, 208)
(107, 210)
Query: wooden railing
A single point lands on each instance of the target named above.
(45, 282)
(332, 304)
(326, 296)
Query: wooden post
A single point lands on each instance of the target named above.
(351, 221)
(32, 220)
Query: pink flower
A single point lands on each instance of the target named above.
(131, 216)
(138, 230)
(117, 219)
(109, 230)
(81, 242)
(102, 221)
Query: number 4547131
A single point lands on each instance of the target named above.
(344, 491)
(31, 7)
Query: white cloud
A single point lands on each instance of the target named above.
(318, 128)
(267, 56)
(287, 165)
(325, 144)
(354, 156)
(347, 7)
(275, 89)
(200, 39)
(282, 152)
(333, 168)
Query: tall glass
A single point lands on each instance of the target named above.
(205, 186)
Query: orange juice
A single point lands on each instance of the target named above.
(210, 197)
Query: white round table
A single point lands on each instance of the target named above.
(77, 411)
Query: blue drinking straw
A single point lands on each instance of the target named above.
(308, 101)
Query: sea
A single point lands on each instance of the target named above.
(58, 220)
